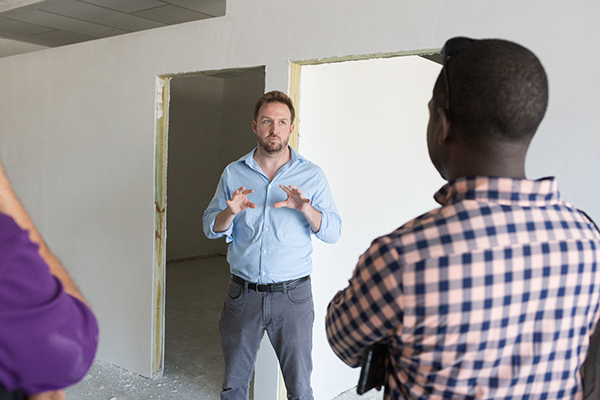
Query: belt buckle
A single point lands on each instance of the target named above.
(259, 285)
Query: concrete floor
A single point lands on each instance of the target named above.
(193, 362)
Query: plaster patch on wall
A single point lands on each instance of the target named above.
(160, 84)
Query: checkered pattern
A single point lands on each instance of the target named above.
(493, 295)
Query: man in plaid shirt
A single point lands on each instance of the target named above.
(495, 294)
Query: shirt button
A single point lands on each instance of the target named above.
(268, 208)
(266, 229)
(264, 273)
(265, 251)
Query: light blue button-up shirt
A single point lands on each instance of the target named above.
(272, 244)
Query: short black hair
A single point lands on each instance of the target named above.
(499, 89)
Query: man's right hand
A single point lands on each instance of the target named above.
(239, 202)
(53, 395)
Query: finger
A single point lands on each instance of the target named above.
(248, 191)
(251, 204)
(280, 204)
(237, 192)
(293, 187)
(285, 189)
(231, 202)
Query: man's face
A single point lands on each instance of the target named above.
(273, 127)
(433, 145)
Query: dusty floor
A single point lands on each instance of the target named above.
(193, 363)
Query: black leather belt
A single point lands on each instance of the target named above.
(270, 287)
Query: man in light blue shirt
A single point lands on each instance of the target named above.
(267, 205)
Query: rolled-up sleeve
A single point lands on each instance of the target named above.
(331, 222)
(217, 204)
(48, 339)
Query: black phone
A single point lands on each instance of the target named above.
(373, 371)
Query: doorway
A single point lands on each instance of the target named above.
(364, 122)
(205, 125)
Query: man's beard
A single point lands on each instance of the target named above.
(272, 148)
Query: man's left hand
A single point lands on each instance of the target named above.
(294, 200)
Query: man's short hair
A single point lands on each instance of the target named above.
(275, 96)
(498, 89)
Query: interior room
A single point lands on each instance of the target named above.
(82, 120)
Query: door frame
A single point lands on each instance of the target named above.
(161, 127)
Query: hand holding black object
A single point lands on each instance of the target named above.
(373, 373)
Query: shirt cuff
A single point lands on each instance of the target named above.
(228, 232)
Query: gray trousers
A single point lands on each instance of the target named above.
(288, 319)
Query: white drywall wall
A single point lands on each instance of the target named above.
(77, 122)
(381, 176)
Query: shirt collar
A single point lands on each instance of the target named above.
(249, 160)
(507, 191)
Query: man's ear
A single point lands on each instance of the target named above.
(254, 126)
(444, 124)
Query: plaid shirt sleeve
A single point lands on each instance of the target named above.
(370, 308)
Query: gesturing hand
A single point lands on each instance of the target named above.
(294, 199)
(239, 201)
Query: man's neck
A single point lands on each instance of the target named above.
(492, 159)
(270, 163)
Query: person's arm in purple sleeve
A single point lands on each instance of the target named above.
(11, 206)
(49, 335)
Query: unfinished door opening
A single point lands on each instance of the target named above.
(205, 124)
(364, 122)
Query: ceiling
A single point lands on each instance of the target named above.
(54, 23)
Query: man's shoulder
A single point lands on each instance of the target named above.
(307, 165)
(311, 166)
(417, 226)
(21, 266)
(240, 163)
(14, 241)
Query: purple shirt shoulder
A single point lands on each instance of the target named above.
(48, 339)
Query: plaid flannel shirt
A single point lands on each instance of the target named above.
(492, 295)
